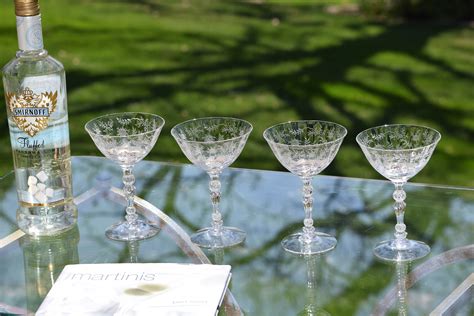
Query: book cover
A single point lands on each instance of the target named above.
(166, 289)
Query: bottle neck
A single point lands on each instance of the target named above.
(30, 34)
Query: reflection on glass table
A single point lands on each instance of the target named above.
(314, 268)
(44, 258)
(265, 279)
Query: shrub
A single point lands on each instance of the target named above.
(420, 9)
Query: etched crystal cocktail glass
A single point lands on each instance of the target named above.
(399, 152)
(213, 144)
(126, 138)
(306, 148)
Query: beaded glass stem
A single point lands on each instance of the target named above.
(129, 190)
(399, 152)
(308, 229)
(213, 144)
(215, 191)
(399, 207)
(306, 148)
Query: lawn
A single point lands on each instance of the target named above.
(265, 63)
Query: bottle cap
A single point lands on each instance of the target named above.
(27, 7)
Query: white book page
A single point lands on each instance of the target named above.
(137, 289)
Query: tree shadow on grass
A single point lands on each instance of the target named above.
(255, 61)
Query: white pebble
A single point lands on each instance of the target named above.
(49, 192)
(32, 180)
(41, 197)
(32, 189)
(42, 176)
(41, 186)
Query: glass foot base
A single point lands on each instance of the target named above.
(412, 250)
(231, 236)
(122, 232)
(321, 243)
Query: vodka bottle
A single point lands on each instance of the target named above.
(35, 93)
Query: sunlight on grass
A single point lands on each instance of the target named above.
(266, 63)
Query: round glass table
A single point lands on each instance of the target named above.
(265, 279)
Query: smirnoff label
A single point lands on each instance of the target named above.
(30, 111)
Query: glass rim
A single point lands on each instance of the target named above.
(176, 136)
(265, 132)
(90, 131)
(438, 134)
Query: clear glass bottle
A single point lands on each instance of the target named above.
(35, 93)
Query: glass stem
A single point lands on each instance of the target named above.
(129, 191)
(308, 229)
(214, 188)
(399, 206)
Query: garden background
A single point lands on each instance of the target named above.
(351, 62)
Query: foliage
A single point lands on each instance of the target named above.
(420, 9)
(263, 62)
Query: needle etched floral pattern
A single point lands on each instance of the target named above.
(212, 143)
(305, 148)
(398, 152)
(127, 137)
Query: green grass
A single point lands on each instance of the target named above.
(266, 63)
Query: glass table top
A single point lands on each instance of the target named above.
(265, 279)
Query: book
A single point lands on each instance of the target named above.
(166, 289)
